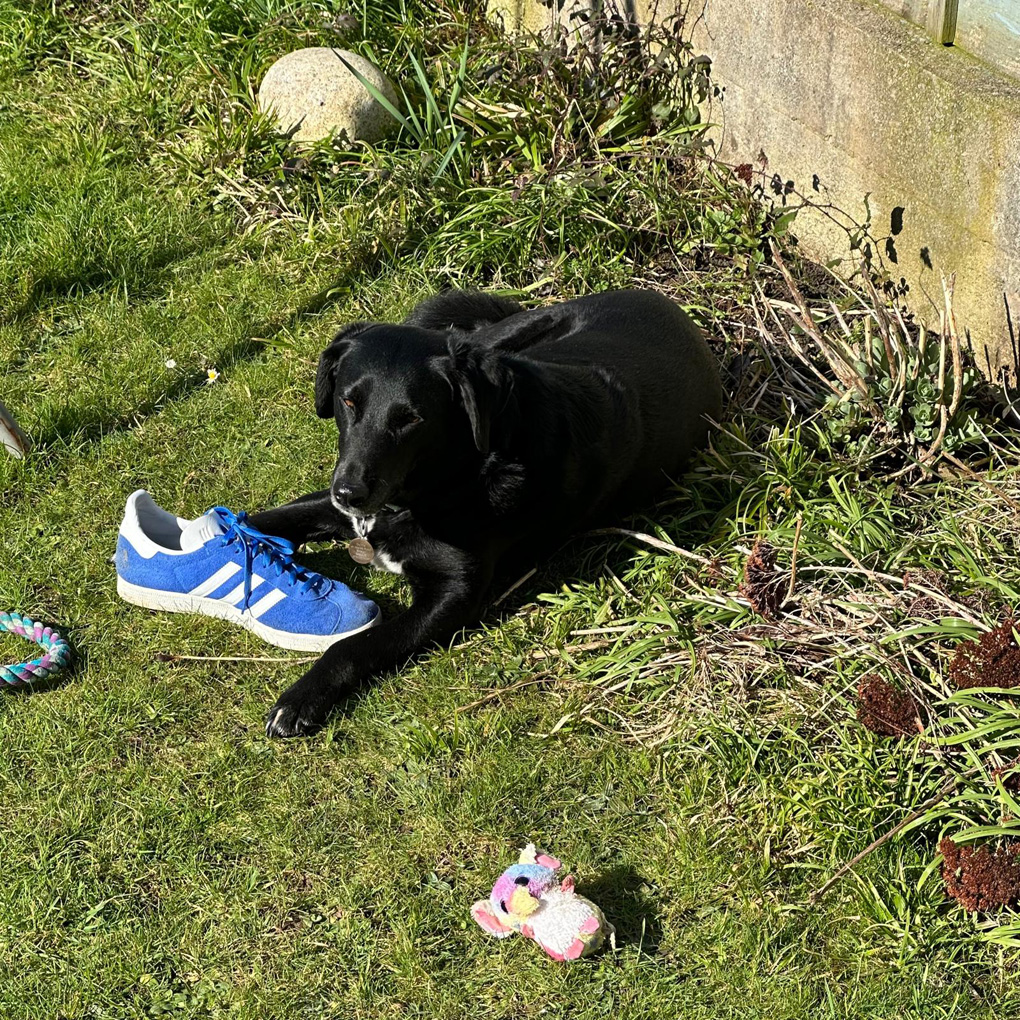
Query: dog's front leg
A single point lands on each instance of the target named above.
(442, 605)
(312, 518)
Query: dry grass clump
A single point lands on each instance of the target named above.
(925, 607)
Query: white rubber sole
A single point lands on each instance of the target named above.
(172, 602)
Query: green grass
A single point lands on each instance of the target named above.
(700, 768)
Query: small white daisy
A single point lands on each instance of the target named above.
(170, 363)
(211, 375)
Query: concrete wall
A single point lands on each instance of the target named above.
(990, 29)
(851, 92)
(916, 10)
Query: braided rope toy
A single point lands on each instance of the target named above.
(57, 656)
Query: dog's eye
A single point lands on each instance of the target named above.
(407, 419)
(349, 403)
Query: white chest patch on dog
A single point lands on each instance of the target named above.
(381, 561)
(385, 562)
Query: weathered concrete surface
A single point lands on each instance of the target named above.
(990, 29)
(851, 92)
(916, 10)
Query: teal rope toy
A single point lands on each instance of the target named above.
(56, 657)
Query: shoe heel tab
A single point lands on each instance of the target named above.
(132, 531)
(131, 507)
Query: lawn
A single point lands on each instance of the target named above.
(698, 765)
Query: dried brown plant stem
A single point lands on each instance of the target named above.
(500, 691)
(174, 657)
(905, 334)
(526, 577)
(948, 290)
(793, 558)
(839, 362)
(975, 477)
(655, 543)
(943, 415)
(949, 330)
(885, 331)
(942, 792)
(555, 653)
(872, 574)
(791, 342)
(922, 346)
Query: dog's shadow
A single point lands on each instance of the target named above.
(625, 897)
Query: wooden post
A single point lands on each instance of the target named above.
(942, 20)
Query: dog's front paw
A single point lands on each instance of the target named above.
(300, 711)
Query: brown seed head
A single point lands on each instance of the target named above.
(981, 878)
(763, 586)
(993, 660)
(886, 710)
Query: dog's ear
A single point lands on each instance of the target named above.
(325, 379)
(478, 381)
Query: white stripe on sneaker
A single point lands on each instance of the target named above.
(236, 595)
(175, 602)
(266, 603)
(225, 572)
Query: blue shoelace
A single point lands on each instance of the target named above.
(268, 551)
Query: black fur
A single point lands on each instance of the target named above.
(479, 432)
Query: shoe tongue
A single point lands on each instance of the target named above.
(197, 532)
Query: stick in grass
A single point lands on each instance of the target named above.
(943, 792)
(656, 543)
(793, 558)
(174, 657)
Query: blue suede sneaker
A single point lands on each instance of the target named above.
(220, 565)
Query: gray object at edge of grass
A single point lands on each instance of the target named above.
(12, 436)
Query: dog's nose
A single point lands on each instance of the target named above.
(350, 494)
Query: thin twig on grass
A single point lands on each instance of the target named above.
(174, 657)
(603, 630)
(948, 289)
(873, 575)
(555, 653)
(656, 543)
(878, 310)
(500, 691)
(530, 574)
(943, 792)
(975, 477)
(793, 558)
(841, 365)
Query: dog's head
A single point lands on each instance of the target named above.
(414, 409)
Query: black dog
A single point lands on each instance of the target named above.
(474, 432)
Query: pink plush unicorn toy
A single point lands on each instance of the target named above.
(530, 898)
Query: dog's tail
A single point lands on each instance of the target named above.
(462, 309)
